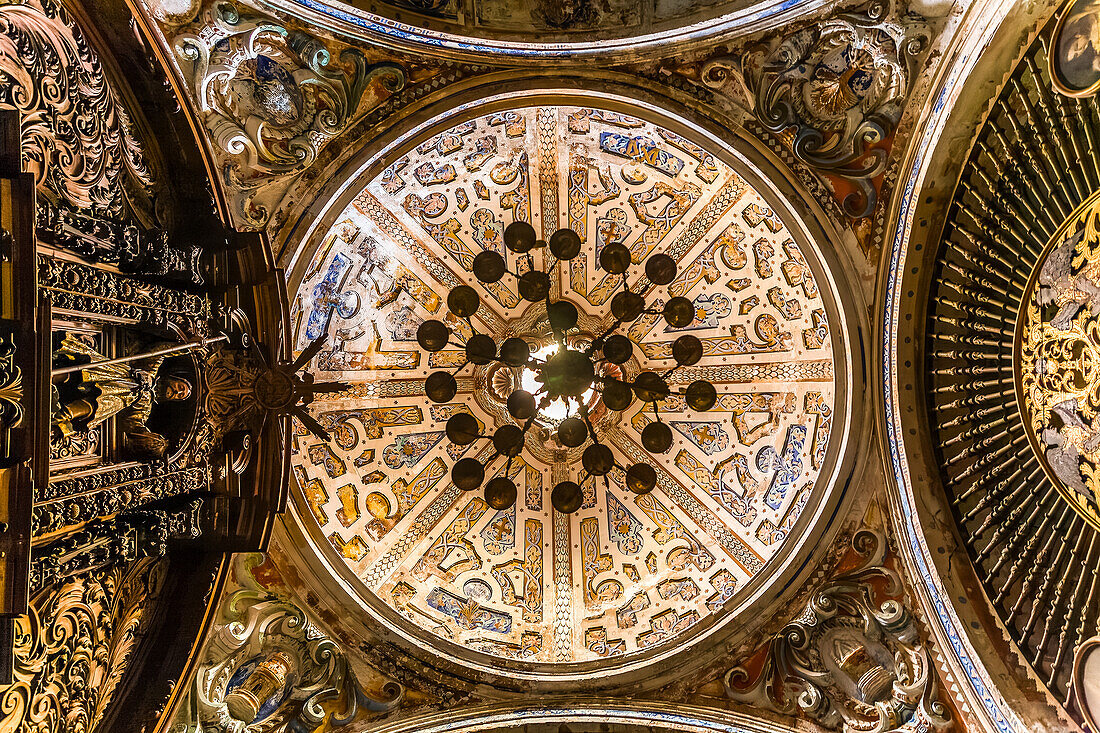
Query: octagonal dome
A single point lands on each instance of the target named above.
(626, 575)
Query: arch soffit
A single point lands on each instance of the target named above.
(365, 27)
(988, 41)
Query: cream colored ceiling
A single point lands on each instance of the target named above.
(626, 573)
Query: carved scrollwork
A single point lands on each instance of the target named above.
(839, 85)
(11, 386)
(77, 137)
(93, 291)
(268, 668)
(74, 646)
(273, 97)
(848, 662)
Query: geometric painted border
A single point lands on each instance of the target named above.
(1001, 717)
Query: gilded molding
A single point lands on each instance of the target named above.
(65, 512)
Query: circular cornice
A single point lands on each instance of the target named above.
(704, 647)
(377, 30)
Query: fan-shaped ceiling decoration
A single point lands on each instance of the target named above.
(1013, 364)
(626, 572)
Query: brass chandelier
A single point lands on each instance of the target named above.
(566, 374)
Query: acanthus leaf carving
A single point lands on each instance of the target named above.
(839, 85)
(77, 137)
(74, 646)
(272, 98)
(850, 662)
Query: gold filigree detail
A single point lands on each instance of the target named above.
(1057, 360)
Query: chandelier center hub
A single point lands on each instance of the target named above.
(567, 373)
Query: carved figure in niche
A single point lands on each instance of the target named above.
(85, 398)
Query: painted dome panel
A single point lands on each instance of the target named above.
(626, 573)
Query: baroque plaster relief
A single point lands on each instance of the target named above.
(271, 97)
(626, 573)
(828, 96)
(267, 667)
(836, 88)
(852, 660)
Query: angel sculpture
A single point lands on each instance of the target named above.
(1067, 445)
(1058, 285)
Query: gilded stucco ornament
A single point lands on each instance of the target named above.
(268, 668)
(849, 661)
(838, 86)
(271, 98)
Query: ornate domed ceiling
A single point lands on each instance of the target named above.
(626, 572)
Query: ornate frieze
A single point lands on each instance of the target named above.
(77, 136)
(103, 543)
(271, 97)
(124, 244)
(74, 647)
(93, 291)
(65, 512)
(267, 667)
(852, 660)
(125, 473)
(833, 90)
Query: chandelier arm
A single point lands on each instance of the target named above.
(559, 336)
(583, 409)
